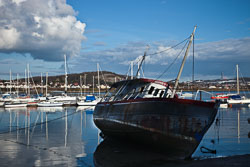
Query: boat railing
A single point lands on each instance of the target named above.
(133, 95)
(200, 91)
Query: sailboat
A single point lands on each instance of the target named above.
(149, 111)
(91, 100)
(238, 99)
(15, 102)
(49, 102)
(64, 98)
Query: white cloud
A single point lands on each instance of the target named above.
(226, 50)
(211, 58)
(8, 37)
(18, 1)
(47, 29)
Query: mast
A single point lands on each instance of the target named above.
(85, 76)
(183, 62)
(17, 85)
(93, 85)
(41, 82)
(66, 76)
(81, 84)
(46, 93)
(28, 81)
(131, 70)
(139, 65)
(10, 81)
(98, 77)
(238, 83)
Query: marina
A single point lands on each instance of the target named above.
(124, 83)
(67, 136)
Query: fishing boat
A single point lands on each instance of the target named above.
(149, 111)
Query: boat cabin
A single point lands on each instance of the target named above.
(137, 88)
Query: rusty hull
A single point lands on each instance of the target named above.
(175, 125)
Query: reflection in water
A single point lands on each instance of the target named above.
(61, 139)
(238, 126)
(111, 152)
(68, 137)
(233, 134)
(66, 127)
(46, 121)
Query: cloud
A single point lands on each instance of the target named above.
(211, 58)
(46, 29)
(225, 50)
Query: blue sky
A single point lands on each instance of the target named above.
(115, 32)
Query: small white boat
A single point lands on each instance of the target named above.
(49, 104)
(66, 100)
(89, 101)
(237, 98)
(223, 105)
(14, 105)
(1, 103)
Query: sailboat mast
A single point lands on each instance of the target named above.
(10, 81)
(183, 62)
(66, 76)
(99, 87)
(131, 70)
(41, 83)
(26, 91)
(28, 81)
(238, 83)
(81, 85)
(85, 84)
(17, 89)
(46, 93)
(93, 85)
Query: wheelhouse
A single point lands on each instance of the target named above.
(137, 88)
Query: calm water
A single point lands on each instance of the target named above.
(68, 137)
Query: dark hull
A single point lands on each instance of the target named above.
(175, 125)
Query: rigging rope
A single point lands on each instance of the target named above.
(103, 78)
(172, 62)
(169, 47)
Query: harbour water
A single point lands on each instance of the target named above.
(67, 136)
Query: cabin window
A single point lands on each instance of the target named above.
(156, 92)
(161, 94)
(151, 90)
(141, 89)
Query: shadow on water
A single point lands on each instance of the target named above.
(111, 152)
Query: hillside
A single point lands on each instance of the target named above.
(109, 78)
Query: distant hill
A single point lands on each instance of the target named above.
(109, 78)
